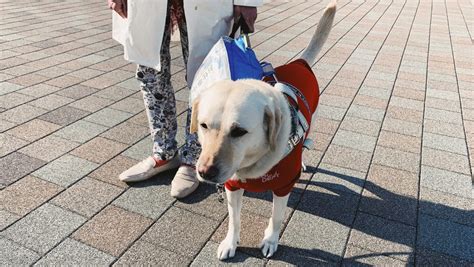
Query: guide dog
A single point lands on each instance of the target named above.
(251, 136)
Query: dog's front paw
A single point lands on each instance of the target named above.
(226, 249)
(269, 245)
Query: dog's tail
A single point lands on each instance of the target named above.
(321, 34)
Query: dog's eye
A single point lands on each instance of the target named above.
(238, 132)
(203, 125)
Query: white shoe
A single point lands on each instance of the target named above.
(148, 168)
(184, 182)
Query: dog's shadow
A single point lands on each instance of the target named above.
(335, 201)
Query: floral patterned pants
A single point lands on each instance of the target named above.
(160, 104)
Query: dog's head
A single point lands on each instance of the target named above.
(237, 123)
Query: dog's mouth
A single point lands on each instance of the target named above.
(220, 179)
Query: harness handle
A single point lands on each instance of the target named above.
(244, 30)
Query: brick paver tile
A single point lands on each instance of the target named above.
(112, 230)
(446, 206)
(399, 141)
(14, 99)
(150, 201)
(33, 130)
(134, 105)
(140, 150)
(322, 238)
(7, 218)
(426, 257)
(409, 93)
(173, 231)
(39, 90)
(354, 140)
(98, 150)
(65, 170)
(140, 119)
(13, 254)
(81, 131)
(347, 157)
(76, 91)
(445, 160)
(51, 102)
(445, 143)
(397, 159)
(404, 114)
(73, 253)
(338, 178)
(16, 165)
(108, 117)
(5, 125)
(330, 112)
(323, 125)
(64, 81)
(10, 144)
(367, 113)
(383, 236)
(21, 114)
(391, 193)
(359, 125)
(27, 194)
(442, 104)
(64, 115)
(7, 87)
(204, 201)
(446, 237)
(443, 115)
(446, 181)
(110, 171)
(207, 257)
(335, 101)
(49, 148)
(114, 93)
(45, 227)
(402, 127)
(357, 256)
(375, 92)
(127, 133)
(370, 101)
(146, 254)
(91, 103)
(87, 197)
(443, 128)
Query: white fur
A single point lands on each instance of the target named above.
(255, 106)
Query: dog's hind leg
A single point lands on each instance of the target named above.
(270, 241)
(228, 246)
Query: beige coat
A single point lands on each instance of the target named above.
(141, 34)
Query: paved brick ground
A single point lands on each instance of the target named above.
(389, 182)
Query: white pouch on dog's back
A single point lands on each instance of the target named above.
(215, 67)
(141, 33)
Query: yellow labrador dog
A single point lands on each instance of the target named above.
(244, 129)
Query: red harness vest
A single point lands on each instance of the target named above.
(283, 176)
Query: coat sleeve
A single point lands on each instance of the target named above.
(248, 2)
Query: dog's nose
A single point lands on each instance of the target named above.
(208, 172)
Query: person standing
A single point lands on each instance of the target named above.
(144, 28)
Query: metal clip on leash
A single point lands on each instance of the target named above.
(220, 192)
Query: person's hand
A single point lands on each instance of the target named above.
(248, 13)
(119, 6)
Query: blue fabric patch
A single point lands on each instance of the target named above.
(243, 62)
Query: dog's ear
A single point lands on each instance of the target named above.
(193, 127)
(272, 119)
